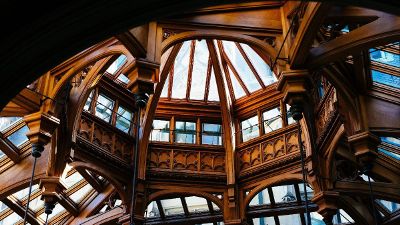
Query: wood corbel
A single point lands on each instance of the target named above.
(327, 205)
(365, 148)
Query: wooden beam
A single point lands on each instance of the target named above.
(94, 205)
(13, 204)
(310, 24)
(68, 204)
(10, 150)
(92, 180)
(379, 32)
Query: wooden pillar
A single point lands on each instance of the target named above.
(327, 205)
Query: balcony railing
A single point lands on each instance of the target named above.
(105, 137)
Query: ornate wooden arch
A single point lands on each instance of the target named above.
(173, 193)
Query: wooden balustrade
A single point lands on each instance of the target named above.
(279, 146)
(105, 137)
(190, 159)
(325, 112)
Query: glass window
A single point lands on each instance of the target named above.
(6, 122)
(11, 219)
(80, 194)
(152, 210)
(390, 206)
(185, 132)
(196, 204)
(164, 92)
(262, 68)
(272, 119)
(172, 206)
(316, 218)
(264, 221)
(289, 116)
(1, 154)
(19, 137)
(310, 191)
(116, 64)
(342, 217)
(122, 78)
(104, 107)
(289, 219)
(284, 193)
(89, 101)
(262, 198)
(2, 206)
(199, 73)
(181, 68)
(160, 131)
(385, 57)
(241, 66)
(386, 79)
(124, 119)
(237, 88)
(211, 134)
(36, 204)
(58, 209)
(24, 192)
(213, 91)
(250, 128)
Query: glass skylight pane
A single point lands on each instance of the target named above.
(391, 206)
(24, 192)
(387, 79)
(199, 74)
(160, 131)
(310, 191)
(116, 64)
(272, 120)
(289, 116)
(262, 198)
(196, 204)
(164, 92)
(172, 206)
(213, 91)
(342, 218)
(152, 210)
(124, 119)
(89, 101)
(72, 179)
(2, 206)
(391, 140)
(316, 218)
(1, 154)
(104, 107)
(19, 137)
(250, 128)
(11, 219)
(262, 68)
(124, 79)
(6, 122)
(241, 66)
(385, 57)
(185, 132)
(264, 221)
(237, 88)
(36, 204)
(389, 153)
(81, 193)
(289, 219)
(284, 193)
(181, 66)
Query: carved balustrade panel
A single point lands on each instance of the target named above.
(186, 160)
(269, 149)
(106, 138)
(325, 112)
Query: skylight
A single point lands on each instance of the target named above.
(192, 76)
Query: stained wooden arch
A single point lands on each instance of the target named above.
(104, 173)
(271, 182)
(91, 58)
(173, 193)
